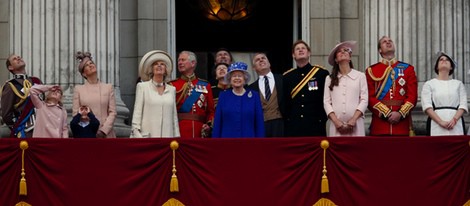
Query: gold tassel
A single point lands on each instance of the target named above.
(23, 188)
(174, 184)
(412, 131)
(324, 179)
(174, 180)
(324, 185)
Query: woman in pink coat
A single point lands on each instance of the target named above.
(345, 98)
(96, 95)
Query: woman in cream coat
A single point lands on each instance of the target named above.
(98, 96)
(155, 112)
(346, 96)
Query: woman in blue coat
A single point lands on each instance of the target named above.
(239, 112)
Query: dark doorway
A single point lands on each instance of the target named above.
(269, 29)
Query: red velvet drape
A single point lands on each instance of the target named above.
(362, 171)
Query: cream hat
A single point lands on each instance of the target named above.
(145, 66)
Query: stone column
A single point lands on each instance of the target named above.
(47, 34)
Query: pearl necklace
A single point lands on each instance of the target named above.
(158, 84)
(239, 94)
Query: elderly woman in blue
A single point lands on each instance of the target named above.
(239, 112)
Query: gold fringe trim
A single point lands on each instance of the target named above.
(23, 189)
(22, 203)
(174, 180)
(324, 202)
(467, 203)
(405, 109)
(324, 179)
(382, 108)
(173, 202)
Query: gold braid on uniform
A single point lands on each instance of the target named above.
(405, 109)
(26, 85)
(186, 87)
(373, 77)
(382, 108)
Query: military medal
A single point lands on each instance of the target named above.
(402, 92)
(191, 87)
(312, 85)
(400, 73)
(199, 103)
(198, 88)
(401, 82)
(202, 97)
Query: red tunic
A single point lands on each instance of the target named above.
(401, 96)
(202, 109)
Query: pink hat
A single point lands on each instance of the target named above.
(348, 44)
(83, 58)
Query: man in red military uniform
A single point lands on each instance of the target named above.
(393, 89)
(194, 100)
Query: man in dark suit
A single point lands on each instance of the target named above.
(269, 86)
(304, 88)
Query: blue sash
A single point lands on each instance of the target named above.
(19, 130)
(389, 81)
(188, 103)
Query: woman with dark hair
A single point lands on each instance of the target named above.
(444, 99)
(346, 96)
(95, 94)
(220, 70)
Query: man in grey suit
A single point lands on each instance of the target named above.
(270, 87)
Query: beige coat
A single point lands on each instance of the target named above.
(102, 102)
(155, 115)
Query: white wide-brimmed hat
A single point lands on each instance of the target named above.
(145, 66)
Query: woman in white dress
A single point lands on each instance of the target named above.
(444, 99)
(346, 97)
(155, 112)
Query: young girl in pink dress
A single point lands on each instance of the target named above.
(51, 116)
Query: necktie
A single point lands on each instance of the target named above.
(267, 90)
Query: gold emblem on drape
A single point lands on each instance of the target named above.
(324, 202)
(22, 204)
(173, 202)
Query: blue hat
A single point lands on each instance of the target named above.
(238, 66)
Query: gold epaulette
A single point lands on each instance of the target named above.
(318, 66)
(383, 109)
(292, 69)
(405, 109)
